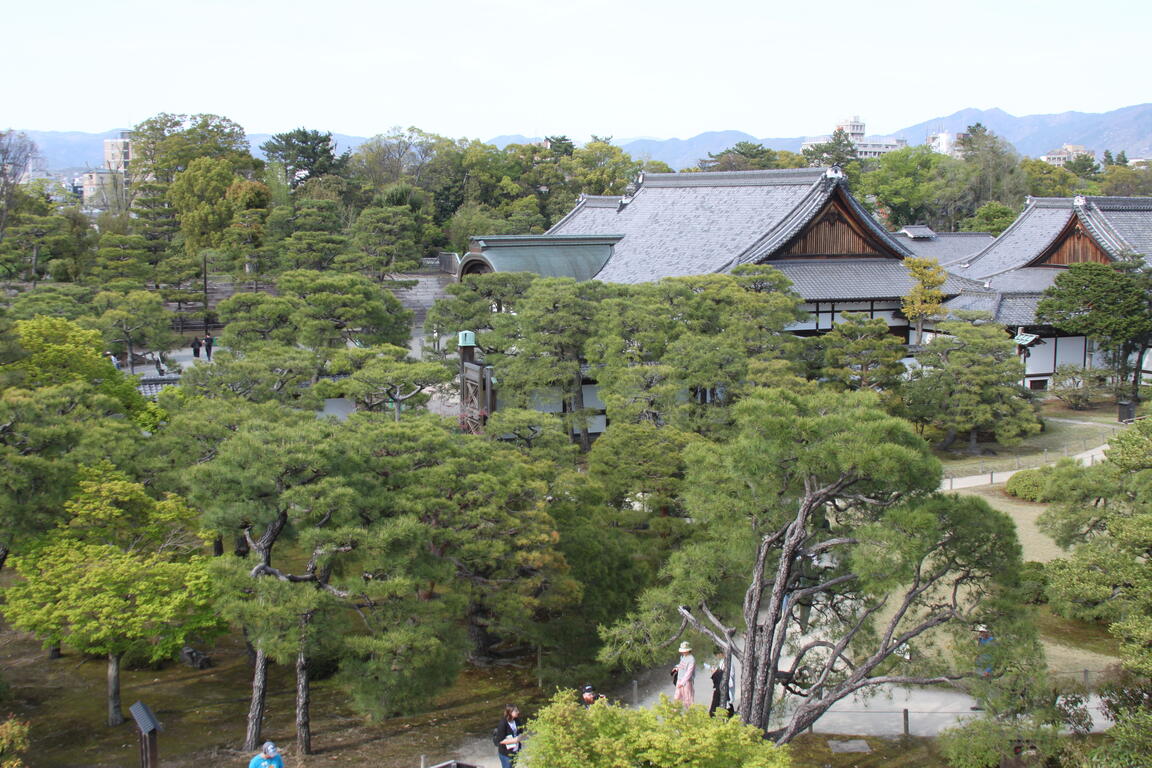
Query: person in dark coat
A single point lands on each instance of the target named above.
(508, 735)
(208, 342)
(196, 344)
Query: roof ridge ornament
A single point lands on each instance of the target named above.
(1079, 201)
(834, 172)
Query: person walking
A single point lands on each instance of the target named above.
(721, 694)
(507, 735)
(113, 359)
(685, 676)
(196, 344)
(269, 757)
(208, 342)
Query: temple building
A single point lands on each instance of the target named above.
(1013, 271)
(803, 222)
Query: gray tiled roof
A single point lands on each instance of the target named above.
(1122, 225)
(918, 231)
(150, 386)
(690, 223)
(697, 223)
(854, 279)
(1119, 225)
(946, 247)
(1005, 308)
(1026, 280)
(1032, 232)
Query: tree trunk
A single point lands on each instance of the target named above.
(256, 707)
(946, 443)
(478, 633)
(115, 714)
(303, 727)
(54, 652)
(131, 358)
(578, 412)
(3, 556)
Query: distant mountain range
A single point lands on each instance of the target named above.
(1128, 129)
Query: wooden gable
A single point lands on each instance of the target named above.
(1074, 245)
(835, 232)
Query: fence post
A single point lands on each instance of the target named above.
(635, 695)
(906, 731)
(1017, 461)
(1086, 677)
(992, 477)
(1045, 455)
(422, 761)
(950, 482)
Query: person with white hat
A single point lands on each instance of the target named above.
(684, 676)
(269, 757)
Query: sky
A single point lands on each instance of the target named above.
(628, 68)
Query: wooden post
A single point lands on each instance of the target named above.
(906, 731)
(635, 695)
(149, 750)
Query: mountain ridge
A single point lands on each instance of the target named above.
(1127, 129)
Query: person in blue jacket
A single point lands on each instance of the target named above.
(269, 757)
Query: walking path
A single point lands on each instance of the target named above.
(1089, 457)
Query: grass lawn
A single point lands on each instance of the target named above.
(1059, 438)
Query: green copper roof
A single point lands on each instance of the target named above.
(576, 256)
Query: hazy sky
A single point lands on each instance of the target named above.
(535, 67)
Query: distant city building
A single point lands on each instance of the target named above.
(866, 146)
(946, 143)
(101, 187)
(37, 169)
(1066, 154)
(118, 152)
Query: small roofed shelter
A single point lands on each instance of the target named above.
(1010, 275)
(577, 256)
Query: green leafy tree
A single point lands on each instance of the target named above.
(386, 241)
(600, 168)
(906, 184)
(1122, 181)
(552, 323)
(992, 217)
(115, 578)
(13, 742)
(1047, 180)
(993, 170)
(566, 735)
(828, 557)
(969, 382)
(16, 151)
(1108, 305)
(1102, 514)
(749, 156)
(304, 154)
(925, 300)
(254, 319)
(1084, 166)
(336, 310)
(838, 150)
(271, 372)
(133, 321)
(50, 432)
(383, 377)
(59, 351)
(121, 257)
(861, 353)
(199, 196)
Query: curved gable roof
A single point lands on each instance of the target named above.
(679, 224)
